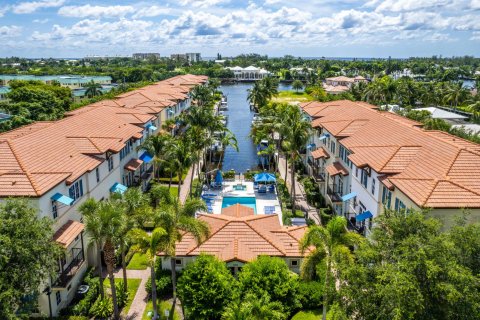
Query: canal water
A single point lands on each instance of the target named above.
(239, 122)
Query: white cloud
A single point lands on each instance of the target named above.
(41, 21)
(95, 11)
(475, 4)
(10, 31)
(409, 5)
(152, 11)
(30, 7)
(202, 3)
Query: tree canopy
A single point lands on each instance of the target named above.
(28, 255)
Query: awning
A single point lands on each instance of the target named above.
(324, 136)
(118, 188)
(349, 196)
(151, 127)
(336, 168)
(320, 153)
(386, 182)
(363, 216)
(146, 157)
(311, 146)
(62, 199)
(133, 164)
(68, 232)
(264, 177)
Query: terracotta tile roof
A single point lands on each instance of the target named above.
(37, 157)
(239, 234)
(427, 166)
(336, 168)
(320, 153)
(133, 164)
(68, 232)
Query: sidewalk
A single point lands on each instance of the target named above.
(300, 197)
(140, 300)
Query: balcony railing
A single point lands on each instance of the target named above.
(319, 175)
(69, 272)
(334, 192)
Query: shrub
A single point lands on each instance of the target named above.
(102, 309)
(205, 287)
(310, 294)
(122, 295)
(271, 276)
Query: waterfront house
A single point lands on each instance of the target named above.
(340, 84)
(250, 73)
(365, 160)
(238, 236)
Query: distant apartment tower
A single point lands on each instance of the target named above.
(178, 56)
(188, 57)
(145, 56)
(193, 57)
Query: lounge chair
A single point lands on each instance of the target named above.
(262, 189)
(255, 186)
(271, 188)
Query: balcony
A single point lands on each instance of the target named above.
(335, 193)
(319, 175)
(70, 270)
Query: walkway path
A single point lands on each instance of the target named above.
(140, 300)
(300, 197)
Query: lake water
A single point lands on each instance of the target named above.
(239, 122)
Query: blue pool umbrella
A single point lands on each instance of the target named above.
(265, 177)
(218, 177)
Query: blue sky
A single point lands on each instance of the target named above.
(342, 28)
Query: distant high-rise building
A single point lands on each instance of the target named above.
(145, 56)
(187, 57)
(193, 57)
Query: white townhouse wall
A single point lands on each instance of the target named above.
(383, 158)
(79, 157)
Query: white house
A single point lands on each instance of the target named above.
(250, 73)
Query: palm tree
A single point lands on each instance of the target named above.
(297, 133)
(254, 308)
(156, 146)
(176, 219)
(149, 244)
(257, 96)
(228, 140)
(134, 203)
(93, 226)
(110, 213)
(455, 94)
(93, 89)
(297, 85)
(182, 157)
(331, 244)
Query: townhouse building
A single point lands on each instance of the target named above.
(365, 160)
(91, 153)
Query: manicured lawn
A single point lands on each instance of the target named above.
(308, 315)
(138, 262)
(132, 286)
(292, 96)
(161, 306)
(174, 191)
(174, 178)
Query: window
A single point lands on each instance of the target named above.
(54, 209)
(332, 147)
(110, 163)
(399, 205)
(356, 172)
(97, 174)
(294, 263)
(386, 197)
(364, 178)
(76, 190)
(178, 262)
(126, 150)
(58, 297)
(373, 186)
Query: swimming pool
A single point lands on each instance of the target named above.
(244, 201)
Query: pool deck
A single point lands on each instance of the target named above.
(262, 199)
